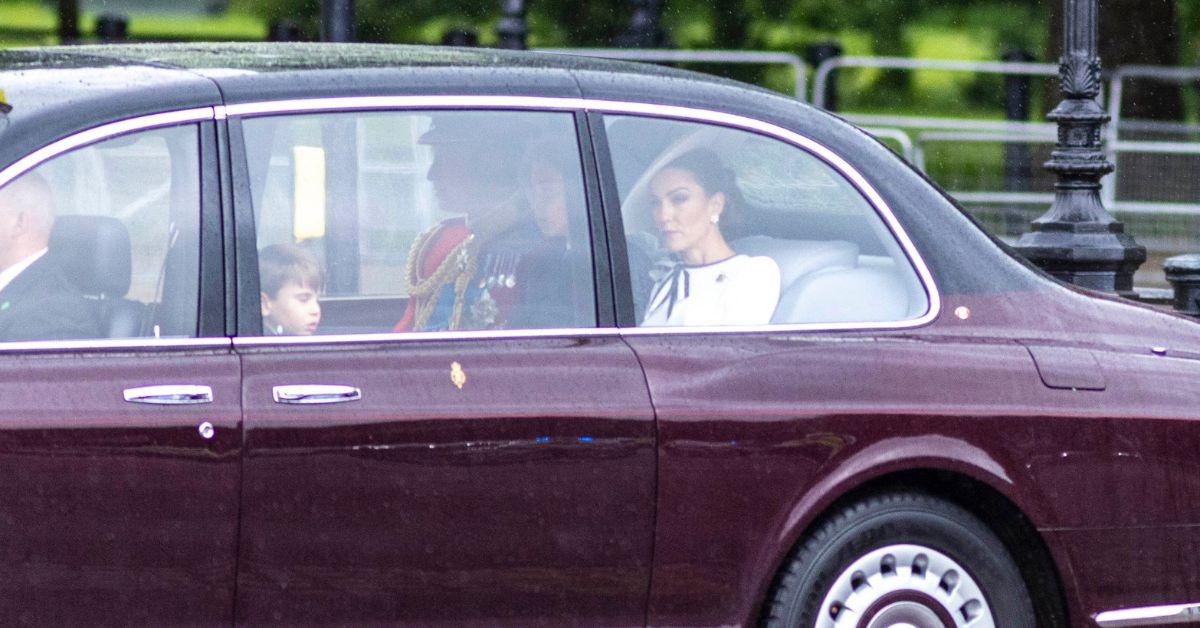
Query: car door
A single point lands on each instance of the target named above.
(761, 286)
(454, 434)
(120, 423)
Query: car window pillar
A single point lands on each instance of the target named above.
(613, 227)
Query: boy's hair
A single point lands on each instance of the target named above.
(280, 264)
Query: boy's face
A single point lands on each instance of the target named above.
(294, 311)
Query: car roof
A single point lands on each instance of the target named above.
(293, 56)
(57, 91)
(264, 71)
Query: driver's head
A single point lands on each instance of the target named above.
(475, 160)
(26, 216)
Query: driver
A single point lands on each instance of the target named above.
(37, 301)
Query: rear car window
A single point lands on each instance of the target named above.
(729, 227)
(407, 221)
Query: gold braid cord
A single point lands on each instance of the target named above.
(458, 266)
(460, 285)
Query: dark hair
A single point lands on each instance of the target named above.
(280, 264)
(712, 175)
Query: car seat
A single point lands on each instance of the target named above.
(95, 254)
(824, 281)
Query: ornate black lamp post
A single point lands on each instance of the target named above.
(1077, 240)
(511, 29)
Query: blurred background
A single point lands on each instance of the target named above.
(960, 88)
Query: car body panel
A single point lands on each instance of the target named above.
(757, 434)
(428, 503)
(118, 512)
(805, 420)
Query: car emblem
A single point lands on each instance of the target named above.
(457, 376)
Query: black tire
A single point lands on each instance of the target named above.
(862, 530)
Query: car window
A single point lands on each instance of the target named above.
(372, 222)
(729, 227)
(103, 241)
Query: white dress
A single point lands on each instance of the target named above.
(741, 290)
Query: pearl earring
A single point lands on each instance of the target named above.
(715, 218)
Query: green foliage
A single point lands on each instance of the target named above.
(32, 23)
(937, 29)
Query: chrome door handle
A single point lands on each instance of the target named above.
(169, 395)
(316, 393)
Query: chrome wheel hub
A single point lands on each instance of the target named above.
(905, 586)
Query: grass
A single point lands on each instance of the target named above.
(25, 22)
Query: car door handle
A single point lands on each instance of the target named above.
(316, 393)
(169, 395)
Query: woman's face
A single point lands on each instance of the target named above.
(683, 212)
(548, 198)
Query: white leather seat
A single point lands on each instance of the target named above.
(797, 258)
(844, 295)
(825, 281)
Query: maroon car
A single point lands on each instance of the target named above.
(357, 335)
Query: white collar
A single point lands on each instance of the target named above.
(10, 273)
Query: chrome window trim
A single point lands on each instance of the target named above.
(113, 344)
(79, 140)
(368, 103)
(103, 132)
(375, 103)
(426, 336)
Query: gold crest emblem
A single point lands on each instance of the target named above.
(457, 376)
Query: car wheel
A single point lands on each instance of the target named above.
(900, 559)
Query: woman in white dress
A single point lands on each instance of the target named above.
(710, 284)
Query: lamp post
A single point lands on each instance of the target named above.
(819, 53)
(1077, 240)
(1018, 167)
(511, 29)
(68, 21)
(644, 30)
(337, 20)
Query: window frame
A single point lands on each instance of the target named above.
(628, 316)
(211, 291)
(611, 210)
(249, 315)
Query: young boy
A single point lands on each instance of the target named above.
(291, 280)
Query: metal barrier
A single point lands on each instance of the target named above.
(1171, 224)
(913, 134)
(927, 129)
(821, 78)
(736, 57)
(1116, 145)
(1031, 136)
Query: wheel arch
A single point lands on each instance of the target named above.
(998, 511)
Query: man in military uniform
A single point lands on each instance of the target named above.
(462, 273)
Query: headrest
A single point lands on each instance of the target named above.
(845, 296)
(797, 258)
(93, 252)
